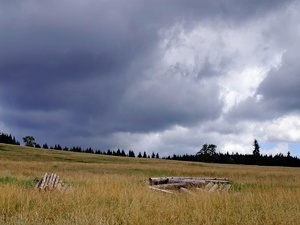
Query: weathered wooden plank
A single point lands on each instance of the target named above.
(53, 177)
(187, 191)
(162, 190)
(226, 188)
(43, 180)
(55, 181)
(167, 180)
(213, 188)
(208, 186)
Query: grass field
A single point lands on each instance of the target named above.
(112, 190)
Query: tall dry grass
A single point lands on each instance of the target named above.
(111, 190)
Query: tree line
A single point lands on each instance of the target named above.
(8, 139)
(207, 153)
(30, 142)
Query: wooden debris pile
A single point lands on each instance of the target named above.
(49, 182)
(187, 184)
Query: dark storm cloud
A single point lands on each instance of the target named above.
(70, 66)
(280, 90)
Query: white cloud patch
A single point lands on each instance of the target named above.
(282, 148)
(284, 129)
(235, 147)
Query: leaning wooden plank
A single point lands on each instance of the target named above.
(59, 185)
(200, 189)
(56, 181)
(226, 188)
(209, 186)
(50, 181)
(47, 181)
(53, 177)
(43, 180)
(39, 183)
(213, 188)
(162, 190)
(187, 191)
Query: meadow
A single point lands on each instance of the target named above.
(112, 190)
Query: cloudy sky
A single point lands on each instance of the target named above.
(163, 75)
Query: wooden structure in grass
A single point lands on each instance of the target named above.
(186, 184)
(50, 182)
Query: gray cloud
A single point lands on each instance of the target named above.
(280, 89)
(277, 94)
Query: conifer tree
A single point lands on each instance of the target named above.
(256, 148)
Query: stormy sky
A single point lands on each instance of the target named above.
(166, 76)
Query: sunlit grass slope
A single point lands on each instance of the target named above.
(111, 190)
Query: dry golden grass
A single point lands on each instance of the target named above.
(111, 190)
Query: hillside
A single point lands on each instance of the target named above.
(112, 190)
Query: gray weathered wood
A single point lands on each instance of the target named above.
(213, 188)
(162, 190)
(49, 182)
(187, 191)
(208, 184)
(226, 188)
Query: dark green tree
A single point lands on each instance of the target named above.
(256, 148)
(131, 154)
(123, 153)
(118, 152)
(145, 155)
(36, 145)
(256, 153)
(109, 152)
(89, 150)
(153, 155)
(29, 141)
(206, 152)
(57, 147)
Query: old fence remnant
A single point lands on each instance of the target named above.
(49, 182)
(187, 184)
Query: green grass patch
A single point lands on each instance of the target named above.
(20, 182)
